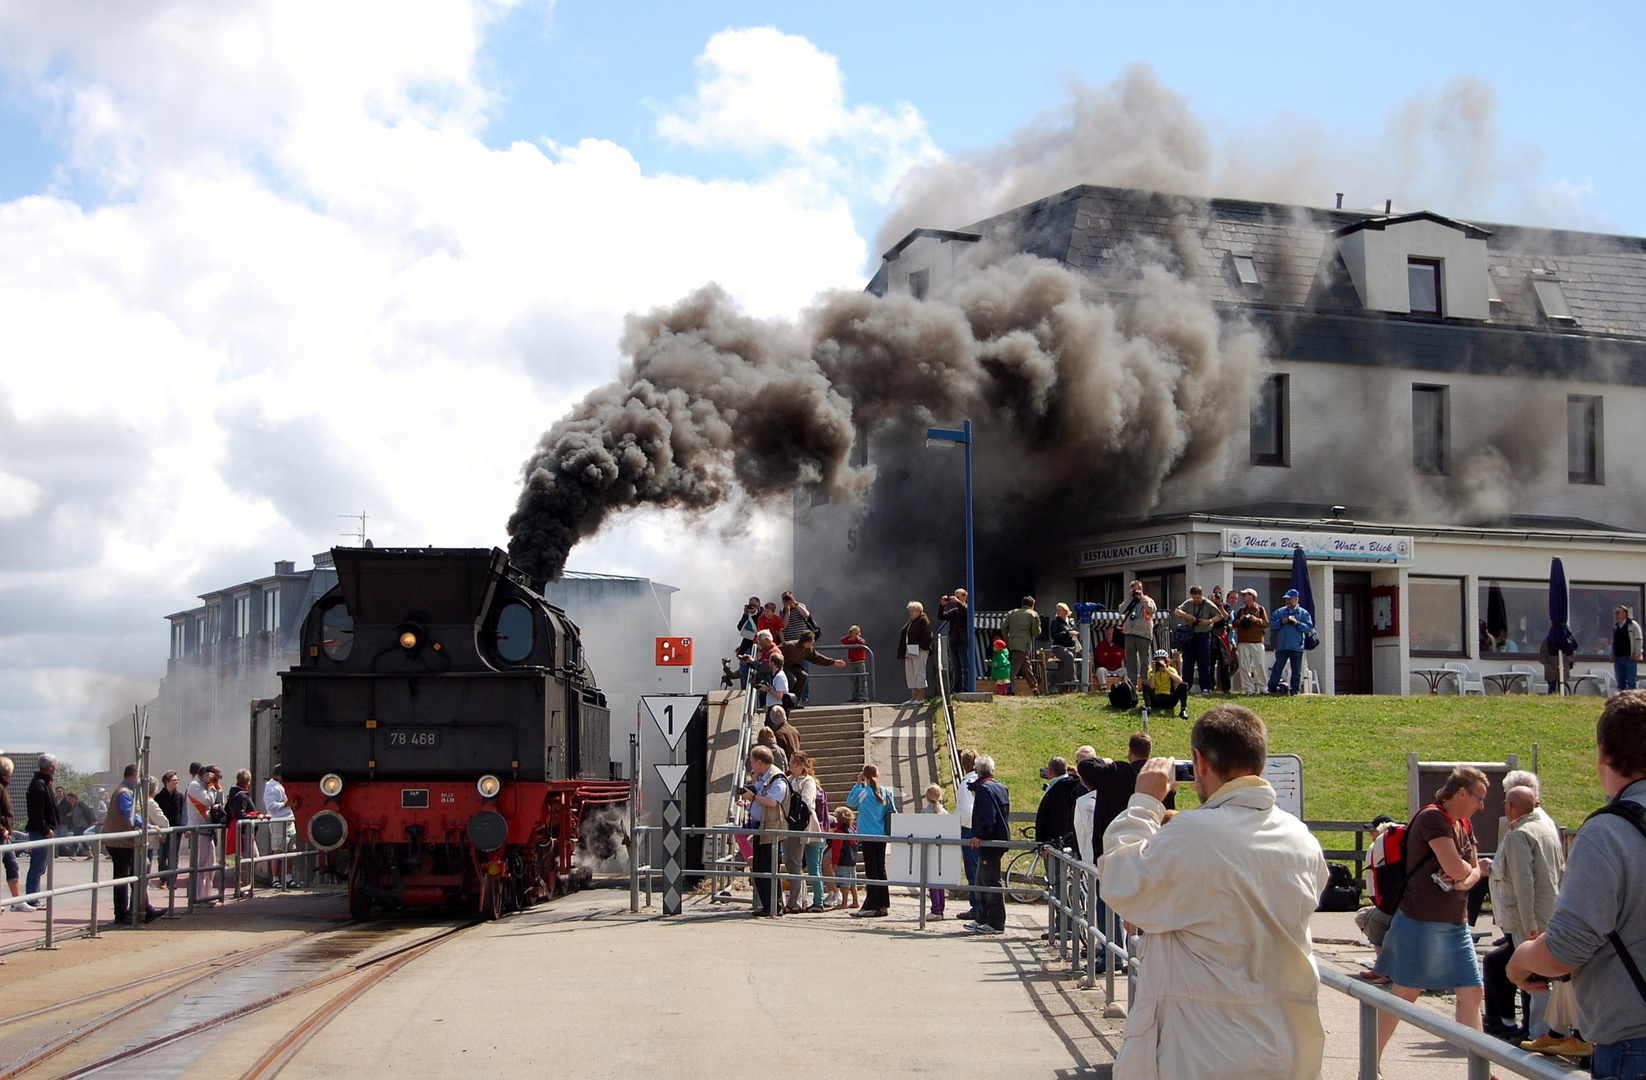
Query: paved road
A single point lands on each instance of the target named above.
(582, 987)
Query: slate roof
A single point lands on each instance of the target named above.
(1102, 231)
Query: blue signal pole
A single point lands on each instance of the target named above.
(963, 436)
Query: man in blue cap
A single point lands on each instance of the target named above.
(1291, 624)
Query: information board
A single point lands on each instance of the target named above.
(1284, 772)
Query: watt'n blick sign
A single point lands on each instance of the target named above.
(1356, 547)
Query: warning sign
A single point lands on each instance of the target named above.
(674, 652)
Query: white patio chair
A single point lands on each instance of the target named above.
(1602, 678)
(1534, 676)
(1467, 679)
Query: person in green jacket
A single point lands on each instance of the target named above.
(1000, 667)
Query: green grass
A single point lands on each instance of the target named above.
(1353, 748)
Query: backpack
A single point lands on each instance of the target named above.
(1634, 815)
(797, 814)
(822, 809)
(1387, 858)
(1122, 696)
(1341, 892)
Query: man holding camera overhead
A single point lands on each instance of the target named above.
(1224, 894)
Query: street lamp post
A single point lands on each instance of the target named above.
(963, 436)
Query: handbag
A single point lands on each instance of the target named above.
(1183, 635)
(1311, 641)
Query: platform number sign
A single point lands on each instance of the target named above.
(672, 714)
(674, 652)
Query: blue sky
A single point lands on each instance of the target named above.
(254, 255)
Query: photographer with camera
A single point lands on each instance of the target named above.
(1137, 627)
(1164, 687)
(767, 796)
(1229, 986)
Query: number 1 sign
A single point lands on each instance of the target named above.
(672, 713)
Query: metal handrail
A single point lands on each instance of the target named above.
(745, 743)
(1482, 1050)
(139, 879)
(848, 673)
(944, 693)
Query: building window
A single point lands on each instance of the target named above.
(1591, 615)
(1423, 281)
(1269, 422)
(1552, 300)
(1245, 268)
(179, 639)
(1583, 439)
(1429, 429)
(242, 615)
(214, 623)
(1514, 616)
(271, 610)
(919, 282)
(1435, 616)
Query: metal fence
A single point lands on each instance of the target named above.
(180, 839)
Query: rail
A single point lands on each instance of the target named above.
(946, 696)
(137, 882)
(1481, 1050)
(867, 673)
(745, 743)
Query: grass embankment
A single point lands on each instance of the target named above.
(1353, 748)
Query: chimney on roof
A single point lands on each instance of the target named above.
(1388, 206)
(284, 566)
(1340, 200)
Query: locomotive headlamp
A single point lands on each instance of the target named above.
(489, 786)
(330, 785)
(408, 639)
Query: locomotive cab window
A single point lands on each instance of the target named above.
(337, 632)
(515, 632)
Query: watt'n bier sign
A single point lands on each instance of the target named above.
(1151, 547)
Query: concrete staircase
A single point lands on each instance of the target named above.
(834, 736)
(900, 740)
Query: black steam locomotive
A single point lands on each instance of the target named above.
(443, 730)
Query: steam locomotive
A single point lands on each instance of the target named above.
(442, 732)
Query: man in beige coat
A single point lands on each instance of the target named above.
(1223, 895)
(1525, 880)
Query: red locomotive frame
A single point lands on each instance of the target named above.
(423, 855)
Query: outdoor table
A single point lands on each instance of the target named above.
(1505, 679)
(1433, 675)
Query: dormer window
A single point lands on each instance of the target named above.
(1245, 268)
(1551, 300)
(1423, 283)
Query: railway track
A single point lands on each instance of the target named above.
(354, 978)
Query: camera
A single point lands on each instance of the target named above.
(1183, 771)
(1045, 773)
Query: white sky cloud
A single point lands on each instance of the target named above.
(309, 288)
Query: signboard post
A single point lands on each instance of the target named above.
(672, 714)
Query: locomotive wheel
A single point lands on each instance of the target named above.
(491, 898)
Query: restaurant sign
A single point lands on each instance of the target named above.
(1355, 547)
(1152, 547)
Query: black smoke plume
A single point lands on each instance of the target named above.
(1078, 396)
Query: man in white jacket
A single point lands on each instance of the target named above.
(1223, 895)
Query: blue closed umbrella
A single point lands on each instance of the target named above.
(1561, 642)
(1300, 582)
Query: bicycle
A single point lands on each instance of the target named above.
(1026, 872)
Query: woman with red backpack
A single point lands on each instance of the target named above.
(1428, 946)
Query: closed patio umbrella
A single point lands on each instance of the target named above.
(1560, 641)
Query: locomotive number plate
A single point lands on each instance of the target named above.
(413, 739)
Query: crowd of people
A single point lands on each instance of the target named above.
(154, 805)
(778, 644)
